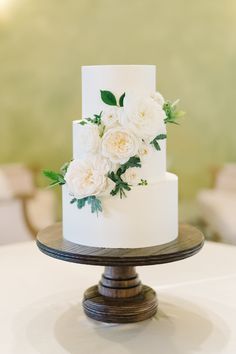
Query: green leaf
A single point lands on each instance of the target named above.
(115, 190)
(83, 122)
(53, 184)
(97, 118)
(64, 168)
(122, 193)
(113, 176)
(93, 201)
(143, 182)
(50, 174)
(55, 177)
(96, 205)
(121, 100)
(155, 143)
(160, 137)
(81, 202)
(134, 161)
(108, 98)
(126, 186)
(172, 114)
(120, 185)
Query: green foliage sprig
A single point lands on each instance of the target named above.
(143, 182)
(109, 98)
(172, 114)
(120, 185)
(96, 120)
(155, 143)
(93, 201)
(55, 177)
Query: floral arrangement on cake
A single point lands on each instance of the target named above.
(114, 144)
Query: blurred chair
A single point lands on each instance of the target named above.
(24, 209)
(218, 205)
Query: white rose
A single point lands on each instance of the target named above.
(158, 98)
(144, 151)
(110, 116)
(131, 176)
(88, 138)
(143, 116)
(87, 177)
(118, 145)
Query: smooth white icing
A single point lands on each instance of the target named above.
(114, 78)
(147, 217)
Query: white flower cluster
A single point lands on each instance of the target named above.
(123, 132)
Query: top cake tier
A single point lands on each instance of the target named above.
(114, 78)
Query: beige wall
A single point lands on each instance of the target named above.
(44, 43)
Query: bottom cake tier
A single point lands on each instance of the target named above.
(147, 217)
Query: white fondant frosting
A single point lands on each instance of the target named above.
(114, 78)
(147, 217)
(149, 214)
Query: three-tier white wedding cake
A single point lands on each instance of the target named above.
(116, 191)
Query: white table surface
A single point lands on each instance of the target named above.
(40, 306)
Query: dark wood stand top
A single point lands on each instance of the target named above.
(189, 241)
(120, 297)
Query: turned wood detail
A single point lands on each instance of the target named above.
(120, 310)
(119, 282)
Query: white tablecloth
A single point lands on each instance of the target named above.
(40, 306)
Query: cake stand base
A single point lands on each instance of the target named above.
(120, 297)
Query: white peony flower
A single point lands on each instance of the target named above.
(118, 145)
(88, 138)
(143, 117)
(110, 116)
(131, 176)
(158, 98)
(87, 177)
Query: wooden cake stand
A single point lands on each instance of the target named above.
(120, 297)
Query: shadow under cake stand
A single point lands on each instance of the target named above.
(120, 297)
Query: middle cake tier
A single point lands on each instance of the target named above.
(147, 217)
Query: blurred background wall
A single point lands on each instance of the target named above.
(44, 43)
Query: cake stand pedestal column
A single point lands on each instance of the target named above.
(120, 297)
